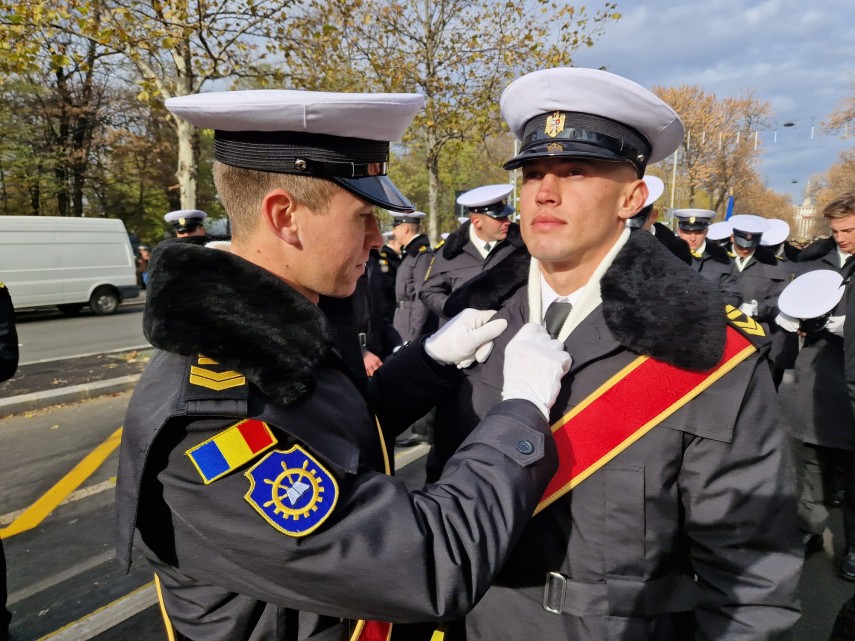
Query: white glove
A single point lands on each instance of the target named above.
(750, 308)
(787, 323)
(534, 366)
(466, 338)
(835, 325)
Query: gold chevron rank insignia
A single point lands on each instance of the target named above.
(744, 322)
(212, 378)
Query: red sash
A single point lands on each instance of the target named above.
(616, 415)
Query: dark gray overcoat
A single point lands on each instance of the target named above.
(457, 261)
(689, 533)
(815, 406)
(412, 317)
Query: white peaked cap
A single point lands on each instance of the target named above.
(655, 189)
(779, 231)
(812, 295)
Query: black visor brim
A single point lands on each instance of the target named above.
(377, 190)
(577, 151)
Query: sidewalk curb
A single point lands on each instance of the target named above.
(70, 394)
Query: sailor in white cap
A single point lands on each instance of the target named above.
(683, 508)
(253, 464)
(412, 317)
(645, 218)
(784, 345)
(708, 259)
(479, 244)
(762, 277)
(776, 236)
(817, 410)
(649, 214)
(720, 233)
(187, 222)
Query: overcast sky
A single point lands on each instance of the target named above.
(797, 55)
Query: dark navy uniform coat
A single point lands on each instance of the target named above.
(234, 343)
(716, 265)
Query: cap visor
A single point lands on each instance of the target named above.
(745, 243)
(504, 213)
(692, 226)
(377, 190)
(540, 151)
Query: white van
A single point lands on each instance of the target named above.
(67, 262)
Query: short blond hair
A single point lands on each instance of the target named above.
(242, 190)
(841, 207)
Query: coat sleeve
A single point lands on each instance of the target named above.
(384, 552)
(768, 306)
(8, 336)
(436, 289)
(728, 285)
(741, 518)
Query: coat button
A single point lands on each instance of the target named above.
(525, 447)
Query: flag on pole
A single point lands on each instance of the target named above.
(729, 211)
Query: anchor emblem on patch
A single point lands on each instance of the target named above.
(292, 491)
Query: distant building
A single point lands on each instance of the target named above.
(805, 218)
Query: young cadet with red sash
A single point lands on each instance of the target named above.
(252, 464)
(672, 516)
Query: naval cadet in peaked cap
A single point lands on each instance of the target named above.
(253, 467)
(646, 536)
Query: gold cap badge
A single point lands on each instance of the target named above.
(554, 124)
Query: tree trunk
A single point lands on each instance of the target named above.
(188, 145)
(433, 198)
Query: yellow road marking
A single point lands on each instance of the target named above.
(108, 616)
(38, 511)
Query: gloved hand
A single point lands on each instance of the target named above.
(835, 325)
(466, 338)
(749, 308)
(787, 323)
(534, 366)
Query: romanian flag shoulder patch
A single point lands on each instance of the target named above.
(230, 449)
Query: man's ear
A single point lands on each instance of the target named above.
(279, 212)
(635, 196)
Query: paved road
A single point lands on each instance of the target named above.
(47, 335)
(64, 583)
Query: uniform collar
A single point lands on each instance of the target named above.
(646, 292)
(211, 302)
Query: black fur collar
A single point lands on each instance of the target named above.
(214, 303)
(763, 255)
(717, 252)
(416, 244)
(648, 295)
(675, 244)
(817, 249)
(457, 239)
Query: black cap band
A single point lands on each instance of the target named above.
(571, 134)
(302, 153)
(357, 164)
(692, 225)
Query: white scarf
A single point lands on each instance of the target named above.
(589, 299)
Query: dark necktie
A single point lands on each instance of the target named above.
(555, 316)
(487, 247)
